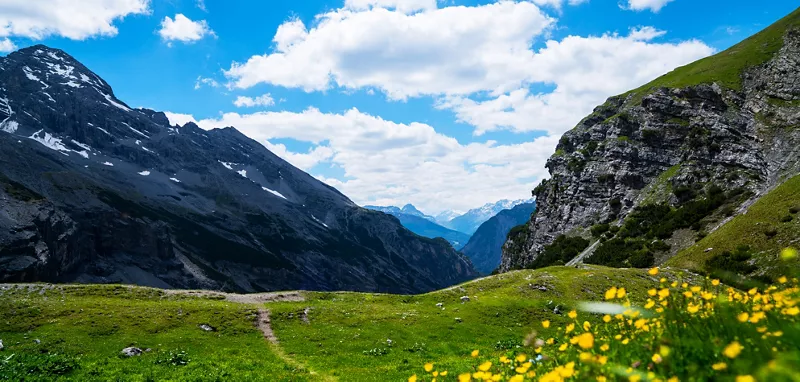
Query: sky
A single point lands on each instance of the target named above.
(446, 104)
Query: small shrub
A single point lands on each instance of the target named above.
(508, 344)
(376, 352)
(786, 218)
(599, 229)
(416, 348)
(771, 232)
(732, 261)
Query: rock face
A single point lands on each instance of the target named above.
(735, 131)
(92, 190)
(484, 248)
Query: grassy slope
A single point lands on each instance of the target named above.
(345, 325)
(91, 325)
(726, 68)
(748, 229)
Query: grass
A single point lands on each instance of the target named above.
(660, 189)
(685, 331)
(725, 68)
(81, 331)
(751, 229)
(347, 334)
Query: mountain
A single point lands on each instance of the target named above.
(408, 209)
(92, 190)
(470, 221)
(652, 171)
(422, 225)
(484, 248)
(446, 216)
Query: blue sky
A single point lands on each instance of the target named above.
(447, 105)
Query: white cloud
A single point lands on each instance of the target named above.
(183, 29)
(452, 50)
(205, 81)
(585, 71)
(652, 5)
(77, 20)
(201, 4)
(405, 6)
(391, 163)
(7, 45)
(645, 33)
(263, 100)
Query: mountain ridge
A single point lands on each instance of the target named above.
(651, 170)
(177, 206)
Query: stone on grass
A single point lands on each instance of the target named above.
(131, 352)
(464, 299)
(207, 328)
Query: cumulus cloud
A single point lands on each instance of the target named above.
(72, 19)
(392, 163)
(585, 71)
(452, 50)
(263, 100)
(405, 6)
(652, 5)
(7, 45)
(183, 29)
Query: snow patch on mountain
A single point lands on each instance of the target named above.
(276, 193)
(144, 173)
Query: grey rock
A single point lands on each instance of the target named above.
(207, 328)
(614, 159)
(37, 341)
(93, 191)
(131, 352)
(707, 250)
(458, 319)
(464, 299)
(1, 345)
(439, 305)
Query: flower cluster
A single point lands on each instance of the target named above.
(680, 332)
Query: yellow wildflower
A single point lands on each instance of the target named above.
(412, 378)
(653, 271)
(745, 378)
(621, 293)
(585, 357)
(674, 379)
(428, 367)
(650, 304)
(664, 293)
(475, 353)
(664, 350)
(606, 318)
(707, 296)
(652, 292)
(733, 349)
(586, 325)
(782, 280)
(719, 366)
(570, 328)
(604, 347)
(793, 311)
(586, 340)
(550, 341)
(715, 282)
(572, 314)
(485, 366)
(546, 324)
(635, 378)
(521, 358)
(504, 359)
(611, 293)
(435, 373)
(695, 289)
(691, 308)
(563, 347)
(516, 378)
(788, 254)
(743, 317)
(601, 379)
(657, 358)
(444, 373)
(466, 377)
(688, 294)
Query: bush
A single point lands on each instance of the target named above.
(786, 218)
(599, 229)
(732, 261)
(561, 251)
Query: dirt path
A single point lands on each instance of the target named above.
(264, 324)
(252, 298)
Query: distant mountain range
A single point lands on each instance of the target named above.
(469, 222)
(484, 248)
(423, 225)
(450, 225)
